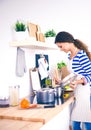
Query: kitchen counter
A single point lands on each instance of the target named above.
(6, 124)
(38, 116)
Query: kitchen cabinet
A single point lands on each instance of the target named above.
(7, 124)
(33, 44)
(60, 121)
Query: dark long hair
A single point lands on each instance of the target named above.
(80, 45)
(67, 37)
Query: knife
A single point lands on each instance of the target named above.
(49, 106)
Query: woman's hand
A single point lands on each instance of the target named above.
(73, 84)
(57, 81)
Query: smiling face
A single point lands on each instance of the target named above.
(64, 46)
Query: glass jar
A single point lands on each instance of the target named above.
(14, 95)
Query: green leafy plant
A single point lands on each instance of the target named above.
(50, 33)
(20, 26)
(61, 64)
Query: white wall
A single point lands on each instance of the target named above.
(68, 15)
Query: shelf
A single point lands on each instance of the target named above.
(32, 44)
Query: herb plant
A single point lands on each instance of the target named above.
(61, 64)
(20, 26)
(50, 33)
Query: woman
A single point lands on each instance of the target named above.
(79, 63)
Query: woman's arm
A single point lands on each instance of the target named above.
(82, 65)
(76, 82)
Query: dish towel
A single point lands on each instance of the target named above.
(43, 65)
(20, 63)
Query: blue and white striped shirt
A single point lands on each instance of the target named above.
(82, 65)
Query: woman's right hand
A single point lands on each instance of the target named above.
(57, 81)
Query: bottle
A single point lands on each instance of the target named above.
(48, 82)
(14, 95)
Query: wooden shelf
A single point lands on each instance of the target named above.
(32, 44)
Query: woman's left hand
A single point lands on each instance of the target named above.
(73, 84)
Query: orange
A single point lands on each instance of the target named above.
(24, 103)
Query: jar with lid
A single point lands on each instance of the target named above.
(14, 95)
(4, 101)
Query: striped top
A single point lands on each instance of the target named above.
(82, 65)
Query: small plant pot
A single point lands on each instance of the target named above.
(21, 35)
(50, 39)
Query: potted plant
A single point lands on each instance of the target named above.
(50, 35)
(20, 26)
(20, 31)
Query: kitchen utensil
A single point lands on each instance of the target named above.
(45, 95)
(58, 91)
(49, 106)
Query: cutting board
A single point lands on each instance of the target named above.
(15, 113)
(39, 114)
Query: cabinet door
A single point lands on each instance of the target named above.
(60, 121)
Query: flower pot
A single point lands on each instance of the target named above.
(21, 35)
(50, 39)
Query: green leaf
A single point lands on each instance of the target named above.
(50, 33)
(61, 64)
(19, 26)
